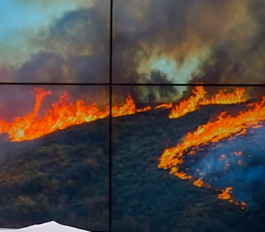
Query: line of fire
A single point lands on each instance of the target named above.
(200, 156)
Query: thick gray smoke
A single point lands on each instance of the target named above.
(195, 40)
(73, 48)
(154, 41)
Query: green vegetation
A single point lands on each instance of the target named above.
(149, 199)
(63, 177)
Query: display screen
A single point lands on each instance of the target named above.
(132, 115)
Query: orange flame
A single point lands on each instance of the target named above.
(225, 126)
(189, 105)
(164, 106)
(64, 113)
(61, 115)
(147, 108)
(222, 97)
(127, 109)
(201, 183)
(198, 99)
(225, 195)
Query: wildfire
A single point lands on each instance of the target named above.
(127, 109)
(164, 106)
(200, 183)
(222, 97)
(225, 126)
(62, 114)
(225, 195)
(199, 99)
(65, 113)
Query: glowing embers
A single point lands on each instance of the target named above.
(226, 154)
(198, 98)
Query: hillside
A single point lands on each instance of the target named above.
(149, 199)
(61, 177)
(64, 177)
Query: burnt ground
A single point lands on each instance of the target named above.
(149, 199)
(62, 177)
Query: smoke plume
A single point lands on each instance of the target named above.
(190, 41)
(72, 48)
(154, 41)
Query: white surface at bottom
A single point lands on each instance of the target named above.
(46, 227)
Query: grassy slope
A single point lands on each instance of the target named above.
(147, 198)
(63, 176)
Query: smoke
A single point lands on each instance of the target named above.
(73, 48)
(216, 42)
(238, 57)
(238, 163)
(180, 41)
(151, 94)
(148, 94)
(18, 100)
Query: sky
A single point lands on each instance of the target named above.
(22, 19)
(54, 40)
(198, 41)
